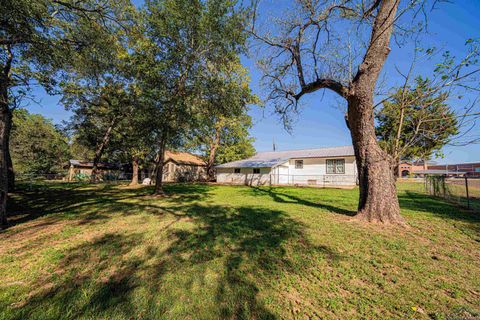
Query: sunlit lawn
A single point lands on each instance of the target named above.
(220, 252)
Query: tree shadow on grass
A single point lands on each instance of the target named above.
(30, 202)
(90, 279)
(420, 202)
(252, 244)
(429, 205)
(247, 248)
(284, 197)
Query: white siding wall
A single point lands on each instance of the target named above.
(314, 172)
(281, 174)
(318, 166)
(245, 177)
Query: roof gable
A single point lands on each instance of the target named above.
(184, 158)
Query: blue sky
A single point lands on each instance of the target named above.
(321, 122)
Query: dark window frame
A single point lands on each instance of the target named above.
(297, 162)
(236, 170)
(334, 166)
(257, 170)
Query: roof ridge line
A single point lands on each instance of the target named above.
(349, 145)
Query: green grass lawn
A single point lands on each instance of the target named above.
(221, 252)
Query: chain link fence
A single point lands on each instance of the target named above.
(464, 191)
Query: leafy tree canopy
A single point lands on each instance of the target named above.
(236, 142)
(416, 122)
(37, 146)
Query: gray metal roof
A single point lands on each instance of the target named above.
(274, 158)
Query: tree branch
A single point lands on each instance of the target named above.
(370, 10)
(323, 84)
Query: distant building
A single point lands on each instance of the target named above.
(419, 168)
(467, 168)
(183, 167)
(178, 167)
(334, 166)
(76, 167)
(408, 168)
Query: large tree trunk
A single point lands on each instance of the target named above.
(11, 172)
(134, 171)
(378, 200)
(99, 149)
(160, 163)
(211, 158)
(5, 125)
(378, 196)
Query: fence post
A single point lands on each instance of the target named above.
(444, 186)
(466, 188)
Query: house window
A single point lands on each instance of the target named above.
(236, 170)
(298, 164)
(335, 166)
(256, 170)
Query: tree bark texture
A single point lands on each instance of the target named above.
(396, 169)
(378, 200)
(5, 126)
(211, 158)
(11, 172)
(161, 161)
(135, 162)
(99, 149)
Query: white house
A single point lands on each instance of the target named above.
(333, 166)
